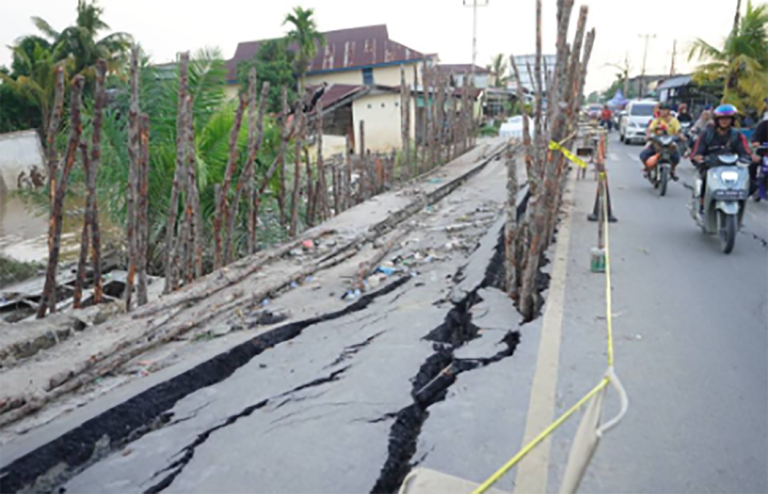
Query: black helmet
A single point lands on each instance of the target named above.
(665, 106)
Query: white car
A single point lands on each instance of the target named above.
(635, 119)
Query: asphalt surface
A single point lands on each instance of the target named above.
(349, 403)
(332, 409)
(691, 343)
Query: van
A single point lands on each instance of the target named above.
(635, 119)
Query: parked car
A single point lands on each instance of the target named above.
(635, 121)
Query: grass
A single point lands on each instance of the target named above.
(12, 271)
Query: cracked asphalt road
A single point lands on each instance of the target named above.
(339, 407)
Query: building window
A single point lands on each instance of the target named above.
(370, 106)
(397, 104)
(368, 77)
(382, 105)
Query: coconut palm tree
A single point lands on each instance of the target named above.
(306, 37)
(499, 70)
(742, 63)
(80, 40)
(37, 84)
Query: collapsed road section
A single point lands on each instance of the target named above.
(326, 404)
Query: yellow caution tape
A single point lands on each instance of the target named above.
(609, 378)
(571, 157)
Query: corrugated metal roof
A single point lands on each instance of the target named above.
(674, 82)
(345, 49)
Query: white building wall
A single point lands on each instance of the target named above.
(19, 152)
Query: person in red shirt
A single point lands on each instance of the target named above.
(606, 118)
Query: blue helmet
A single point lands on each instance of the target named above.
(725, 111)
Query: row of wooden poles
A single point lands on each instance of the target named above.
(527, 239)
(447, 131)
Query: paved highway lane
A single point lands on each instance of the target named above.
(691, 343)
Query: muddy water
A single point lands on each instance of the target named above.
(24, 230)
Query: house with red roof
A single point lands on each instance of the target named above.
(360, 70)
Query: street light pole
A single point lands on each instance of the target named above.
(474, 4)
(647, 37)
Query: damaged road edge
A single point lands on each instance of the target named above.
(59, 460)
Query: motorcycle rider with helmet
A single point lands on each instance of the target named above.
(671, 126)
(722, 137)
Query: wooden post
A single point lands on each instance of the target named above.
(281, 199)
(415, 165)
(84, 236)
(452, 147)
(133, 178)
(424, 117)
(173, 208)
(511, 228)
(143, 209)
(348, 173)
(91, 226)
(538, 226)
(221, 219)
(297, 172)
(364, 178)
(405, 162)
(311, 195)
(530, 169)
(322, 189)
(48, 299)
(52, 164)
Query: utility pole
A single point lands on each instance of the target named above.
(646, 37)
(474, 4)
(674, 54)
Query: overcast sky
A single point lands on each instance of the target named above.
(165, 27)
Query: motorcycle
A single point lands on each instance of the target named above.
(725, 198)
(686, 130)
(660, 165)
(762, 173)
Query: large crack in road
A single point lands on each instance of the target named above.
(231, 413)
(56, 462)
(438, 373)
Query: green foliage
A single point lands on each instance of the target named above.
(742, 62)
(305, 36)
(499, 70)
(213, 119)
(80, 42)
(16, 111)
(38, 86)
(274, 62)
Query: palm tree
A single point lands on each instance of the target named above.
(38, 84)
(742, 63)
(306, 37)
(81, 41)
(499, 70)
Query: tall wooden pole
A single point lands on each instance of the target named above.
(48, 299)
(173, 208)
(133, 178)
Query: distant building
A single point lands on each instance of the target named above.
(457, 72)
(527, 77)
(361, 68)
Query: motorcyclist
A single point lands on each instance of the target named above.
(671, 126)
(717, 139)
(682, 114)
(759, 138)
(685, 118)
